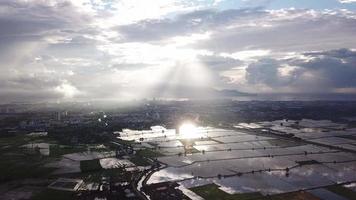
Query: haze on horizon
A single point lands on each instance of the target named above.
(63, 50)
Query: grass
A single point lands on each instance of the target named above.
(17, 163)
(290, 196)
(90, 165)
(212, 192)
(14, 141)
(19, 140)
(139, 161)
(20, 171)
(53, 195)
(148, 153)
(308, 162)
(125, 142)
(57, 151)
(117, 175)
(283, 143)
(342, 191)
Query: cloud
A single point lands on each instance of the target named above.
(241, 29)
(84, 49)
(286, 30)
(68, 90)
(254, 3)
(317, 72)
(219, 63)
(198, 21)
(29, 88)
(347, 1)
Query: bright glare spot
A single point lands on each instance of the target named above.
(189, 131)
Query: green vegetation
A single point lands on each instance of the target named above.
(283, 143)
(342, 191)
(308, 162)
(290, 196)
(20, 163)
(53, 195)
(20, 168)
(139, 161)
(13, 142)
(148, 153)
(90, 165)
(118, 175)
(212, 192)
(126, 142)
(59, 150)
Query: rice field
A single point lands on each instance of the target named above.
(248, 161)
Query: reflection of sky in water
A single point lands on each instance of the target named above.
(169, 174)
(183, 167)
(110, 163)
(345, 171)
(351, 186)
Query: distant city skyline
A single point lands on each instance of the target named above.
(68, 50)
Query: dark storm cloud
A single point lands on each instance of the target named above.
(21, 95)
(29, 88)
(338, 53)
(338, 67)
(264, 71)
(323, 71)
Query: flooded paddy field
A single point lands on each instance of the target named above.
(252, 158)
(249, 161)
(30, 163)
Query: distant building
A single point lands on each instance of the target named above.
(59, 116)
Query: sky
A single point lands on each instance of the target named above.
(68, 50)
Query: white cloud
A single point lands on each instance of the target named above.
(247, 55)
(347, 1)
(130, 11)
(68, 90)
(112, 49)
